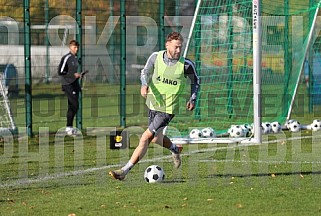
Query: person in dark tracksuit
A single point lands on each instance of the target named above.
(67, 70)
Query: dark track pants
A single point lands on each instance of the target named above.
(72, 92)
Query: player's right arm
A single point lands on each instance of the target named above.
(146, 74)
(67, 69)
(63, 66)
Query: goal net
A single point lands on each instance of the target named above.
(221, 45)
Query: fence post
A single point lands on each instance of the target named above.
(79, 39)
(27, 55)
(161, 32)
(47, 75)
(123, 63)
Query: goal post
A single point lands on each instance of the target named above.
(247, 57)
(257, 60)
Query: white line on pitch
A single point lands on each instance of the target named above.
(21, 182)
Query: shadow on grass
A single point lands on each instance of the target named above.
(229, 175)
(172, 181)
(25, 185)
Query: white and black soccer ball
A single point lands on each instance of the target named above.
(276, 127)
(247, 129)
(294, 126)
(316, 125)
(208, 132)
(236, 131)
(154, 173)
(251, 129)
(266, 127)
(195, 133)
(288, 123)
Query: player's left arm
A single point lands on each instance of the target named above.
(190, 72)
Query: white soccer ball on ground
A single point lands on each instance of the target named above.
(247, 129)
(288, 123)
(236, 131)
(154, 173)
(316, 125)
(208, 132)
(276, 127)
(294, 126)
(251, 130)
(195, 133)
(266, 127)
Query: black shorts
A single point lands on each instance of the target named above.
(158, 120)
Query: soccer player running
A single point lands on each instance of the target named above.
(67, 70)
(163, 82)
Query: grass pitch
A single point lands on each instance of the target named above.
(279, 177)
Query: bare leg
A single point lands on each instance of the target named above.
(141, 149)
(162, 140)
(138, 154)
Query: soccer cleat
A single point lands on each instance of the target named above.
(177, 157)
(71, 132)
(117, 174)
